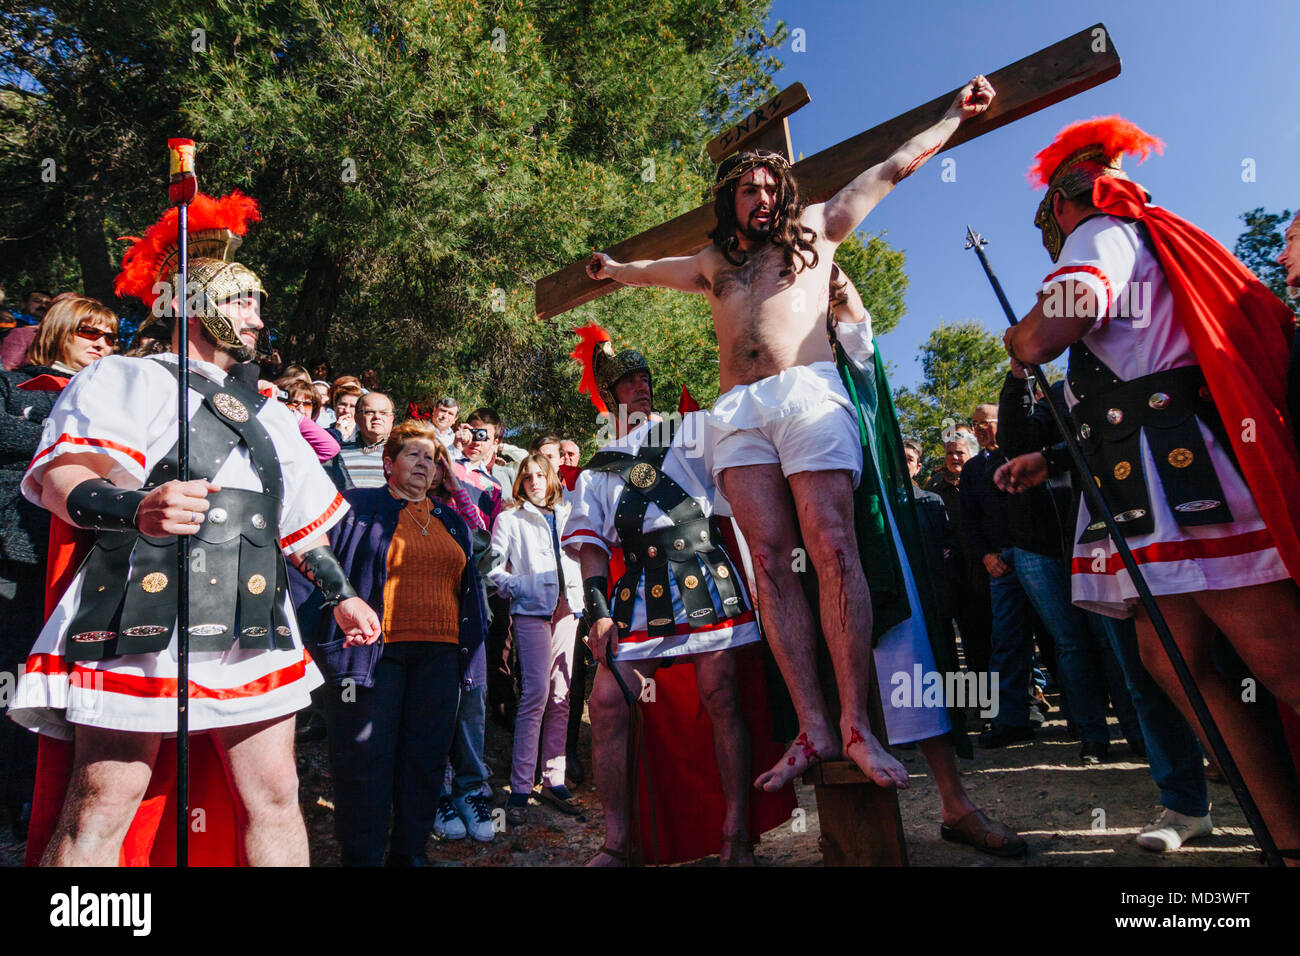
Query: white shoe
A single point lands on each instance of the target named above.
(1172, 829)
(448, 825)
(476, 811)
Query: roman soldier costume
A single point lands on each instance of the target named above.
(107, 656)
(1178, 389)
(646, 501)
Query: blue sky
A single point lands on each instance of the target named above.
(1218, 88)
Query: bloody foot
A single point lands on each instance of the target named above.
(803, 753)
(874, 760)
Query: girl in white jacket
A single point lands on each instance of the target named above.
(545, 600)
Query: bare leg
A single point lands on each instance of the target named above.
(955, 801)
(716, 675)
(110, 774)
(824, 500)
(764, 508)
(609, 730)
(1262, 623)
(1193, 631)
(260, 766)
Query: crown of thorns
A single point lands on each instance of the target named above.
(735, 166)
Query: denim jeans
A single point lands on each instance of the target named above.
(1012, 641)
(467, 745)
(1172, 749)
(1047, 584)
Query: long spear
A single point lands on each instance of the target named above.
(1098, 506)
(181, 189)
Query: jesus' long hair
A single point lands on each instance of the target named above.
(793, 238)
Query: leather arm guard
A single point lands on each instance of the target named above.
(1058, 460)
(595, 602)
(322, 568)
(102, 506)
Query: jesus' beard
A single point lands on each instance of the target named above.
(756, 235)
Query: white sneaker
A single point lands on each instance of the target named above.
(476, 810)
(448, 825)
(1172, 829)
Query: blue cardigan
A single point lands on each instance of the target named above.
(361, 542)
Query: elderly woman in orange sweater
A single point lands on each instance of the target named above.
(392, 712)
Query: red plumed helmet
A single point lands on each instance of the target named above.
(215, 226)
(1112, 137)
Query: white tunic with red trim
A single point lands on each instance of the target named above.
(125, 408)
(1138, 334)
(595, 500)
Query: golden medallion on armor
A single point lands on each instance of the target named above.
(691, 581)
(657, 591)
(721, 571)
(643, 475)
(153, 583)
(1123, 470)
(230, 407)
(256, 584)
(1180, 457)
(624, 594)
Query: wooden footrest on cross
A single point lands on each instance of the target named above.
(860, 822)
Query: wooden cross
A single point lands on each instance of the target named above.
(860, 822)
(1073, 65)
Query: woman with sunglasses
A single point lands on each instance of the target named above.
(302, 400)
(75, 332)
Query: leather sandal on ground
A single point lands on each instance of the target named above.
(737, 842)
(985, 835)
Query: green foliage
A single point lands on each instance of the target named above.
(1260, 245)
(964, 366)
(419, 166)
(877, 269)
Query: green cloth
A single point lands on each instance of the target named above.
(886, 483)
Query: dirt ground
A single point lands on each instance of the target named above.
(1070, 814)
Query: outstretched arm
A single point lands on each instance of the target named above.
(682, 273)
(845, 210)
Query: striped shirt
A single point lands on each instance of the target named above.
(365, 464)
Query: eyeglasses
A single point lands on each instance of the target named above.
(90, 333)
(371, 413)
(991, 421)
(298, 403)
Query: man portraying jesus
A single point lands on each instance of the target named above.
(786, 446)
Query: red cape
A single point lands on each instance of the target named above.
(1241, 334)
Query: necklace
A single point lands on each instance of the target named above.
(424, 528)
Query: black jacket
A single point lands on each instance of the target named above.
(940, 542)
(24, 527)
(984, 505)
(1042, 519)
